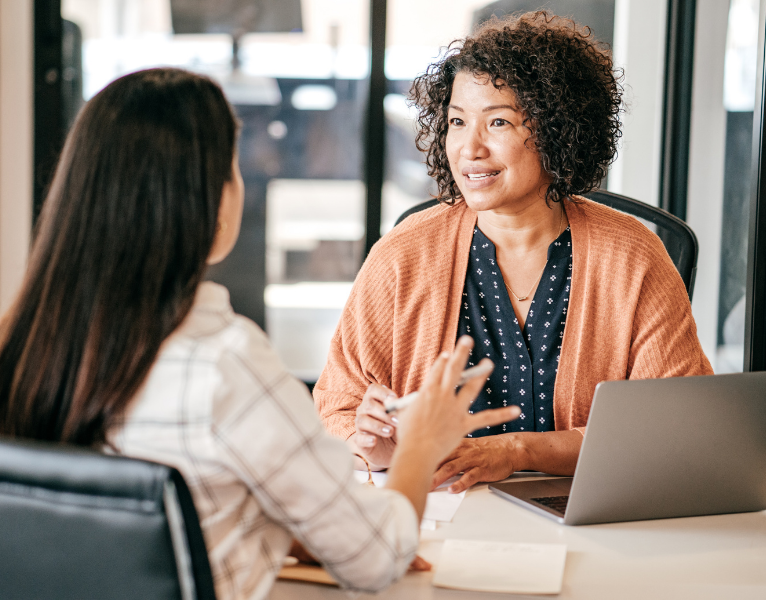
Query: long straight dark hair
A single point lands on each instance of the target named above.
(119, 251)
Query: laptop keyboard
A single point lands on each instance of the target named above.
(557, 503)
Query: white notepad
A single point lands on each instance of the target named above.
(501, 567)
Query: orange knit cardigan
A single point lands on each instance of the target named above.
(629, 315)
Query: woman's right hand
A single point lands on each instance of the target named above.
(375, 437)
(432, 426)
(439, 419)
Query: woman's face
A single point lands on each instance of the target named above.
(485, 147)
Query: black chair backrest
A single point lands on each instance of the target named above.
(678, 237)
(75, 524)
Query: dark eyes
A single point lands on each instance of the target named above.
(457, 122)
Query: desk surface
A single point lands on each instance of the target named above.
(698, 558)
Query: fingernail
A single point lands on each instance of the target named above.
(386, 430)
(444, 355)
(394, 420)
(452, 489)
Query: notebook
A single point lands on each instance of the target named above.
(505, 567)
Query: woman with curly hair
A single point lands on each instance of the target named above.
(559, 292)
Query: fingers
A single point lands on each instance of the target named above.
(434, 376)
(473, 386)
(379, 393)
(457, 361)
(370, 425)
(420, 564)
(365, 441)
(447, 470)
(495, 416)
(469, 477)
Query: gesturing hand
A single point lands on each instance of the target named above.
(488, 458)
(439, 418)
(375, 436)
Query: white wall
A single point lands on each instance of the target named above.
(16, 102)
(706, 163)
(639, 49)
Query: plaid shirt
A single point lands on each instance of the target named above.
(219, 406)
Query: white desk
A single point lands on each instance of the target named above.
(699, 558)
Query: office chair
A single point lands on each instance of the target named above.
(78, 524)
(678, 237)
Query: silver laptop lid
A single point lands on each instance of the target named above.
(676, 447)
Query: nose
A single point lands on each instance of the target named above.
(474, 146)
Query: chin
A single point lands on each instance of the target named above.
(480, 203)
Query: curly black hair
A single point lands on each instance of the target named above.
(565, 86)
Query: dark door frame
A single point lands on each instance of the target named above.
(677, 113)
(755, 304)
(48, 116)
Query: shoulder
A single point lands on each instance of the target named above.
(424, 229)
(243, 365)
(420, 240)
(613, 234)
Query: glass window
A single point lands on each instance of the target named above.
(738, 100)
(720, 173)
(296, 72)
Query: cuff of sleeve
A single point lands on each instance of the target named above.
(340, 426)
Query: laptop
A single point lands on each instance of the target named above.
(661, 448)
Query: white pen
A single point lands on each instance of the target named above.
(403, 402)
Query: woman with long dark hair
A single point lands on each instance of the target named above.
(116, 342)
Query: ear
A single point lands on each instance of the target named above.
(229, 216)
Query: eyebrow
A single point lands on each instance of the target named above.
(486, 108)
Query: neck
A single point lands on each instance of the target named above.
(523, 230)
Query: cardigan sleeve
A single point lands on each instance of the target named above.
(362, 347)
(664, 340)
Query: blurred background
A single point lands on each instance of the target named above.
(327, 145)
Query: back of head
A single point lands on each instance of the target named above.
(119, 251)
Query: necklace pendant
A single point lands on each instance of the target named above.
(521, 299)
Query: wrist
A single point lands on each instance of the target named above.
(421, 451)
(519, 452)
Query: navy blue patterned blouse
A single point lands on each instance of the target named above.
(526, 361)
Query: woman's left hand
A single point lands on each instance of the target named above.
(490, 458)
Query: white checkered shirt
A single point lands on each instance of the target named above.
(219, 406)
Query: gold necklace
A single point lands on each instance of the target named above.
(522, 298)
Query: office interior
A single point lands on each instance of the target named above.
(327, 143)
(327, 148)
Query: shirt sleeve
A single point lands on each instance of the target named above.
(664, 340)
(361, 351)
(268, 433)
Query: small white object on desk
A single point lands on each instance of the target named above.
(440, 504)
(503, 567)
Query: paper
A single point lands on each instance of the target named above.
(440, 504)
(503, 567)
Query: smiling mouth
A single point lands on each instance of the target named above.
(480, 176)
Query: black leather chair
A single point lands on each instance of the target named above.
(678, 237)
(77, 524)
